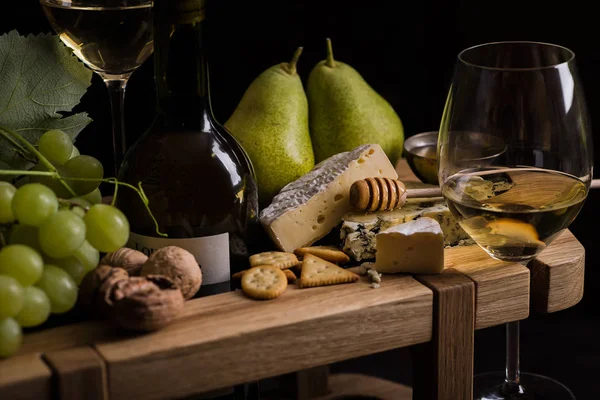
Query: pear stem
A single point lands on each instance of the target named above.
(330, 61)
(291, 67)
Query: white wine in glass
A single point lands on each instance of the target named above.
(113, 38)
(528, 96)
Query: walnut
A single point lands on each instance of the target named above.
(145, 303)
(94, 287)
(177, 264)
(128, 259)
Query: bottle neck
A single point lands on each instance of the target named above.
(181, 70)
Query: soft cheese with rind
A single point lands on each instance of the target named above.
(310, 207)
(415, 247)
(359, 230)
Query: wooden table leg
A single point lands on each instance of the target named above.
(80, 374)
(306, 384)
(443, 368)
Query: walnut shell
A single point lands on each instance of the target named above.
(146, 303)
(128, 259)
(177, 264)
(95, 285)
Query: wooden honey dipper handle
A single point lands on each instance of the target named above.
(383, 194)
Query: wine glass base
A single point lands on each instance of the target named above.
(490, 386)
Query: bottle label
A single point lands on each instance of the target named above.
(211, 252)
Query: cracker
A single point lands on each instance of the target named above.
(327, 253)
(291, 277)
(264, 282)
(319, 272)
(277, 259)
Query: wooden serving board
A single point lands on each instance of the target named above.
(229, 339)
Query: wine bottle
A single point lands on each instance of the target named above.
(199, 181)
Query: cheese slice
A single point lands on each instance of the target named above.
(415, 247)
(359, 230)
(310, 207)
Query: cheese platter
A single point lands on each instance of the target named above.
(327, 324)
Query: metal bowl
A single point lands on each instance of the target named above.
(420, 151)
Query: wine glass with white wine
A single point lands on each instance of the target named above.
(113, 38)
(529, 95)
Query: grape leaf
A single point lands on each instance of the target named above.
(40, 78)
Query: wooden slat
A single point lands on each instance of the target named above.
(557, 275)
(502, 289)
(347, 386)
(79, 373)
(228, 339)
(443, 368)
(68, 336)
(25, 377)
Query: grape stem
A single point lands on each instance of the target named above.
(24, 145)
(72, 204)
(55, 175)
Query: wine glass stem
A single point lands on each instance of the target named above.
(116, 91)
(513, 373)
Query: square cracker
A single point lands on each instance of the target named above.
(319, 272)
(327, 253)
(279, 259)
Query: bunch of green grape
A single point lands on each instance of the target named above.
(51, 239)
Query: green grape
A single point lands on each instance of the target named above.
(11, 337)
(84, 167)
(61, 234)
(56, 146)
(7, 192)
(80, 201)
(94, 197)
(36, 308)
(22, 263)
(33, 203)
(59, 287)
(75, 152)
(57, 187)
(26, 235)
(70, 264)
(87, 255)
(11, 296)
(77, 205)
(107, 227)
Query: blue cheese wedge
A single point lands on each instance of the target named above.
(359, 229)
(310, 207)
(415, 247)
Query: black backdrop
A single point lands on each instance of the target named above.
(406, 51)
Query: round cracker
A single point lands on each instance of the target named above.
(264, 282)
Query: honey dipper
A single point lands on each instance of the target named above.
(384, 194)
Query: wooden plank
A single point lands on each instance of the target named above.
(68, 336)
(228, 339)
(79, 373)
(443, 368)
(347, 386)
(557, 275)
(502, 289)
(25, 377)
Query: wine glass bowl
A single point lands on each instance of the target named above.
(111, 37)
(527, 95)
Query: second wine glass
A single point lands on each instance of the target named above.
(528, 95)
(113, 38)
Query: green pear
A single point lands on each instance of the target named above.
(271, 124)
(345, 112)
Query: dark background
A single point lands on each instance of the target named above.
(406, 51)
